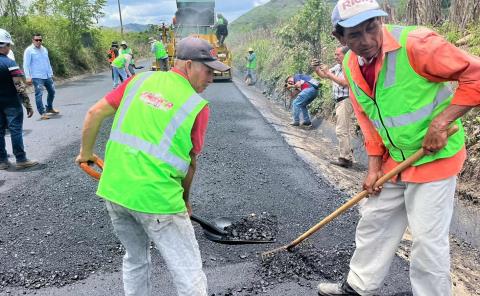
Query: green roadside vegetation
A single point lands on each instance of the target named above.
(286, 47)
(75, 42)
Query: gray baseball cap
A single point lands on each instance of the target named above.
(199, 50)
(350, 13)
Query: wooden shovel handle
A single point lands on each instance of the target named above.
(87, 167)
(354, 200)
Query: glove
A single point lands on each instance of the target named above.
(315, 63)
(29, 112)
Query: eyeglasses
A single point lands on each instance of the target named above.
(38, 40)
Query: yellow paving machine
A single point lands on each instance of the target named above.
(195, 18)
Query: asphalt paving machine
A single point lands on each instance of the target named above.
(196, 18)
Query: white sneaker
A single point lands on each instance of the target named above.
(335, 289)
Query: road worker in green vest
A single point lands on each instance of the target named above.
(160, 53)
(150, 159)
(120, 68)
(401, 95)
(250, 75)
(222, 29)
(125, 49)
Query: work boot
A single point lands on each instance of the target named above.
(4, 165)
(26, 164)
(44, 116)
(294, 123)
(343, 162)
(52, 111)
(336, 289)
(307, 123)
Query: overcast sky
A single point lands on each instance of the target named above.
(158, 11)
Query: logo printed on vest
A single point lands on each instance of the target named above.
(213, 52)
(156, 101)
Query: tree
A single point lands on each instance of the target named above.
(464, 12)
(424, 12)
(308, 30)
(10, 9)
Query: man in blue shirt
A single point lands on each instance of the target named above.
(12, 95)
(38, 71)
(305, 88)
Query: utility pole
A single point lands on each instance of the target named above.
(120, 13)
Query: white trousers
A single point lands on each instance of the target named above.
(173, 236)
(427, 209)
(344, 128)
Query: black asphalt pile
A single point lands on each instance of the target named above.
(55, 230)
(307, 262)
(304, 264)
(254, 227)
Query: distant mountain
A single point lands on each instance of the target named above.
(272, 13)
(266, 15)
(133, 28)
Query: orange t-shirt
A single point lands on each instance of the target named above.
(432, 57)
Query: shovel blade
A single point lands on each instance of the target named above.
(227, 241)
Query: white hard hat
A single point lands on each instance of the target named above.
(5, 37)
(123, 42)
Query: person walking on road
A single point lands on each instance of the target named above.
(12, 95)
(308, 88)
(403, 102)
(127, 50)
(343, 106)
(38, 71)
(150, 160)
(120, 68)
(161, 55)
(250, 75)
(112, 54)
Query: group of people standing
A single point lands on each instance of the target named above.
(122, 60)
(37, 71)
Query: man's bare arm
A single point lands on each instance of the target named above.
(93, 120)
(187, 181)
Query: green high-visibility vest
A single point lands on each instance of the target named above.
(405, 104)
(220, 21)
(148, 152)
(252, 61)
(160, 52)
(129, 51)
(120, 61)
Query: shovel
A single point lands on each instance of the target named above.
(354, 200)
(214, 231)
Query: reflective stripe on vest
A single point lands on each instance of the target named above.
(424, 112)
(392, 59)
(159, 151)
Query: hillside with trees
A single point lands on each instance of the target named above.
(70, 31)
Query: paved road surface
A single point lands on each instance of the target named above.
(55, 234)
